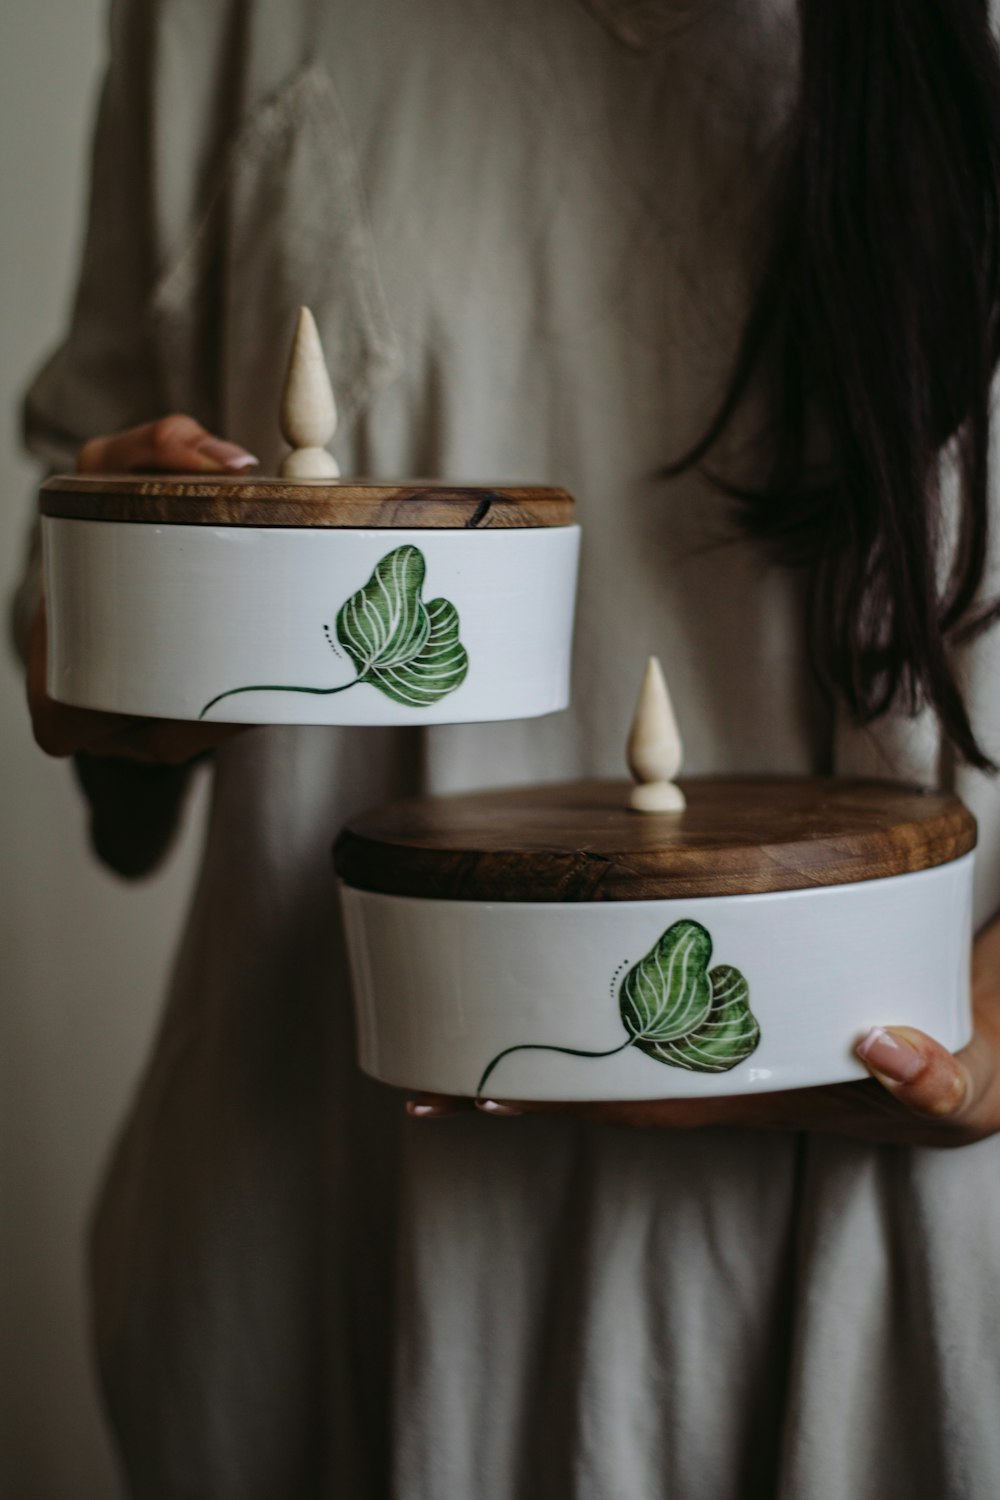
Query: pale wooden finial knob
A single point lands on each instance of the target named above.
(308, 415)
(654, 748)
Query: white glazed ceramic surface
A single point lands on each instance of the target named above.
(442, 987)
(160, 620)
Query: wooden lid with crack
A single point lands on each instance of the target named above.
(579, 841)
(235, 500)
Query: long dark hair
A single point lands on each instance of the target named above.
(873, 338)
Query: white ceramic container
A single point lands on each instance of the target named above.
(604, 999)
(466, 614)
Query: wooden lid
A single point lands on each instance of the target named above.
(580, 842)
(234, 500)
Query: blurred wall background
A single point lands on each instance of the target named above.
(83, 958)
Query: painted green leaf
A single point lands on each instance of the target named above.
(726, 1038)
(385, 623)
(675, 1010)
(667, 994)
(438, 668)
(408, 650)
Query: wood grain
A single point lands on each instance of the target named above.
(232, 500)
(579, 841)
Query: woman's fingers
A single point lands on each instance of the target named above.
(919, 1094)
(633, 1114)
(62, 730)
(58, 729)
(915, 1069)
(166, 742)
(956, 1089)
(927, 1096)
(434, 1106)
(176, 442)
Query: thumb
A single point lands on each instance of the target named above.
(923, 1075)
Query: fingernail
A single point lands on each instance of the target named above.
(225, 455)
(890, 1055)
(492, 1107)
(421, 1111)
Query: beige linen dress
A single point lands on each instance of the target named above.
(526, 228)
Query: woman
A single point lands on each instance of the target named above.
(531, 233)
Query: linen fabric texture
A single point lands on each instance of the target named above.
(527, 231)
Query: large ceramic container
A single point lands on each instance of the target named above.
(270, 601)
(547, 943)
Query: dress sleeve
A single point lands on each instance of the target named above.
(103, 377)
(225, 192)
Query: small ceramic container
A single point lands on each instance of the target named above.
(308, 602)
(547, 943)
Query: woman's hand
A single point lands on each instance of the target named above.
(919, 1094)
(175, 443)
